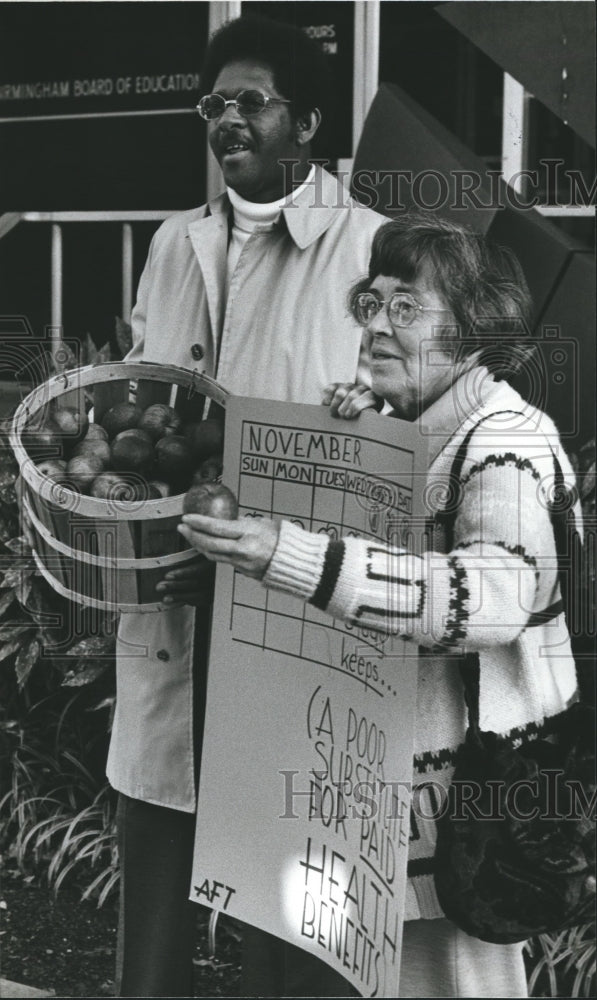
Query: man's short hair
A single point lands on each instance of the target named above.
(298, 65)
(481, 281)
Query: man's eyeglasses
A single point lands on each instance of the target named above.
(248, 103)
(402, 309)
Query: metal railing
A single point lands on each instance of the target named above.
(57, 220)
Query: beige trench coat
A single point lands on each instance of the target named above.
(283, 333)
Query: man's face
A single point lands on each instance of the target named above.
(249, 149)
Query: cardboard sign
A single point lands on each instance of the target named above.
(303, 819)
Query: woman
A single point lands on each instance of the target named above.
(445, 314)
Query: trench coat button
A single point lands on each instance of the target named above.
(163, 654)
(197, 352)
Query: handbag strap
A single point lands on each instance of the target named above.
(447, 516)
(571, 569)
(574, 579)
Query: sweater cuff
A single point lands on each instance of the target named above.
(297, 563)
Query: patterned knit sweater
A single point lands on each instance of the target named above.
(479, 596)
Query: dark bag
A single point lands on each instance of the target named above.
(519, 858)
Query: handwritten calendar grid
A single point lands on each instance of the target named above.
(319, 495)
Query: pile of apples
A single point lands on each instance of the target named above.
(130, 454)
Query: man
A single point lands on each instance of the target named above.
(251, 290)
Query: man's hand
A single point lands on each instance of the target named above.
(348, 399)
(248, 543)
(191, 584)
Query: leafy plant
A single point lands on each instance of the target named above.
(88, 354)
(57, 813)
(562, 964)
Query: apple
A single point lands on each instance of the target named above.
(163, 490)
(111, 486)
(52, 468)
(43, 440)
(117, 486)
(121, 417)
(95, 432)
(205, 438)
(141, 435)
(97, 447)
(82, 470)
(160, 421)
(209, 471)
(174, 461)
(71, 423)
(212, 500)
(132, 451)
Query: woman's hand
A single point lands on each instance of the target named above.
(348, 399)
(248, 543)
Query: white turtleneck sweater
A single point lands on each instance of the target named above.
(253, 216)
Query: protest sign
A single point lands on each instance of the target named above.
(303, 819)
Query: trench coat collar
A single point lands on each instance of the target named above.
(306, 218)
(312, 212)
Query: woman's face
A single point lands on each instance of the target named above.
(410, 366)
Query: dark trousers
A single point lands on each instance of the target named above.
(157, 923)
(272, 968)
(156, 933)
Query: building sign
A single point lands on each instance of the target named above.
(91, 59)
(303, 820)
(93, 96)
(97, 100)
(97, 107)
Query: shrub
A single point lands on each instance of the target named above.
(57, 812)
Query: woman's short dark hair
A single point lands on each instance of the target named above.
(482, 283)
(298, 65)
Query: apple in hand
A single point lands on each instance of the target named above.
(211, 500)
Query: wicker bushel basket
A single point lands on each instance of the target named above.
(107, 554)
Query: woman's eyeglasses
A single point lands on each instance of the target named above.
(402, 309)
(248, 103)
